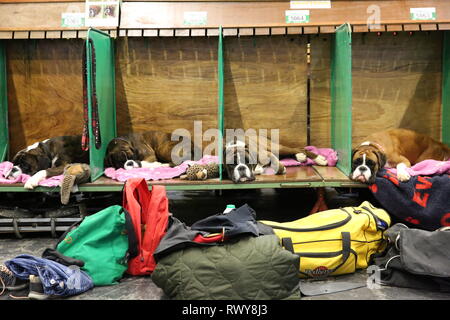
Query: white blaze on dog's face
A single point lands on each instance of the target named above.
(366, 162)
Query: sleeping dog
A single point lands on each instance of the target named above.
(47, 158)
(241, 165)
(394, 148)
(148, 149)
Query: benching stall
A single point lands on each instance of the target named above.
(327, 82)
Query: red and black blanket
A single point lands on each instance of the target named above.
(423, 201)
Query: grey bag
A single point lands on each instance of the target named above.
(416, 259)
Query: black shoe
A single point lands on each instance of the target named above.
(36, 289)
(11, 282)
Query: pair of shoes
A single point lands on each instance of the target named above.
(10, 282)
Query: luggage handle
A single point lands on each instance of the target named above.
(346, 248)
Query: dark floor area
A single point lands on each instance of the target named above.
(277, 205)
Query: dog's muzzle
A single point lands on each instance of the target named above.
(13, 173)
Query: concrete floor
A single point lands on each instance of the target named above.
(277, 205)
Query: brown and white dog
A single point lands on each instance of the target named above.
(241, 165)
(394, 148)
(47, 158)
(148, 149)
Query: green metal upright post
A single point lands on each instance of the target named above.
(341, 96)
(4, 136)
(106, 96)
(220, 115)
(446, 89)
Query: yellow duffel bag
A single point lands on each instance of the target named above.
(336, 241)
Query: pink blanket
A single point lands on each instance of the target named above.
(328, 153)
(427, 168)
(6, 166)
(160, 173)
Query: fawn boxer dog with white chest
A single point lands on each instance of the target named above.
(394, 148)
(47, 158)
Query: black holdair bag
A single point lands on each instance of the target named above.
(416, 259)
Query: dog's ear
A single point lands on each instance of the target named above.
(381, 159)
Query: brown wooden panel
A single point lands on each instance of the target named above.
(166, 83)
(320, 91)
(34, 16)
(44, 90)
(265, 85)
(272, 13)
(396, 82)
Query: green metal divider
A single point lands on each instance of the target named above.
(106, 96)
(341, 96)
(220, 115)
(446, 89)
(4, 136)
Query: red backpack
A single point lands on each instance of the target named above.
(149, 211)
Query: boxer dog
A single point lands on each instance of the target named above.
(394, 148)
(241, 165)
(148, 149)
(47, 158)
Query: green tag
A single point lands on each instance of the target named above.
(195, 18)
(297, 16)
(423, 13)
(72, 19)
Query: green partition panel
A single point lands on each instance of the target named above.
(341, 96)
(105, 91)
(446, 90)
(4, 140)
(220, 116)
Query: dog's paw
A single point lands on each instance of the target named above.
(301, 157)
(402, 173)
(151, 165)
(321, 161)
(130, 164)
(258, 169)
(33, 181)
(403, 176)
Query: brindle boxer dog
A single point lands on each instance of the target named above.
(145, 149)
(242, 164)
(47, 158)
(394, 148)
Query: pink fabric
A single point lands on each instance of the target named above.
(160, 173)
(329, 154)
(427, 168)
(6, 166)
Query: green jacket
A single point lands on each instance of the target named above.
(253, 268)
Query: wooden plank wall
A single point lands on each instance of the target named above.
(166, 83)
(396, 83)
(265, 85)
(44, 90)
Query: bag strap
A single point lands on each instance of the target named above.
(287, 244)
(133, 245)
(64, 235)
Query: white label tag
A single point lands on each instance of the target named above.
(297, 16)
(195, 18)
(423, 13)
(317, 4)
(72, 19)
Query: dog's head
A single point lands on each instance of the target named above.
(367, 160)
(239, 163)
(30, 161)
(119, 152)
